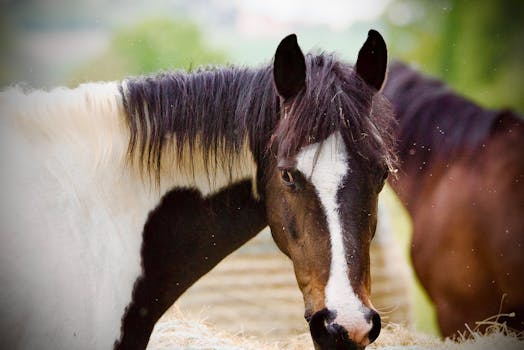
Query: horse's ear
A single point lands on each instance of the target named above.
(372, 60)
(289, 67)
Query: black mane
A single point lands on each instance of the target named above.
(433, 120)
(216, 107)
(220, 107)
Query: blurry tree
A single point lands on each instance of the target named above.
(150, 46)
(3, 58)
(476, 46)
(6, 49)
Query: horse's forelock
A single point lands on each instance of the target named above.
(336, 99)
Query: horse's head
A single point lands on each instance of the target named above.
(331, 156)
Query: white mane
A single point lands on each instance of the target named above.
(90, 115)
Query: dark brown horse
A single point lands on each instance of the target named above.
(462, 180)
(302, 145)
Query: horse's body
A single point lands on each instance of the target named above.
(462, 180)
(118, 197)
(76, 218)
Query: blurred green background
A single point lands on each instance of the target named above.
(475, 46)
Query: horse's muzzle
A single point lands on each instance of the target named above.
(328, 335)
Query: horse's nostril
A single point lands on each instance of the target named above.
(307, 315)
(328, 335)
(375, 326)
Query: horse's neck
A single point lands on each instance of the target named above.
(436, 127)
(408, 185)
(89, 125)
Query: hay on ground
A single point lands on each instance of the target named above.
(179, 332)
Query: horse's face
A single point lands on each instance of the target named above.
(322, 205)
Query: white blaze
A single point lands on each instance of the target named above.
(326, 174)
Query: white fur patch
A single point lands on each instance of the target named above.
(326, 175)
(72, 215)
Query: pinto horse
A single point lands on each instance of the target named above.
(117, 197)
(462, 180)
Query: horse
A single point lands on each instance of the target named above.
(461, 180)
(118, 196)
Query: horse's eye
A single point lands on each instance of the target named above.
(287, 177)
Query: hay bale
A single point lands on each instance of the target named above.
(390, 272)
(237, 292)
(177, 331)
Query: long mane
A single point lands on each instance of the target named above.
(433, 120)
(217, 109)
(212, 111)
(337, 99)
